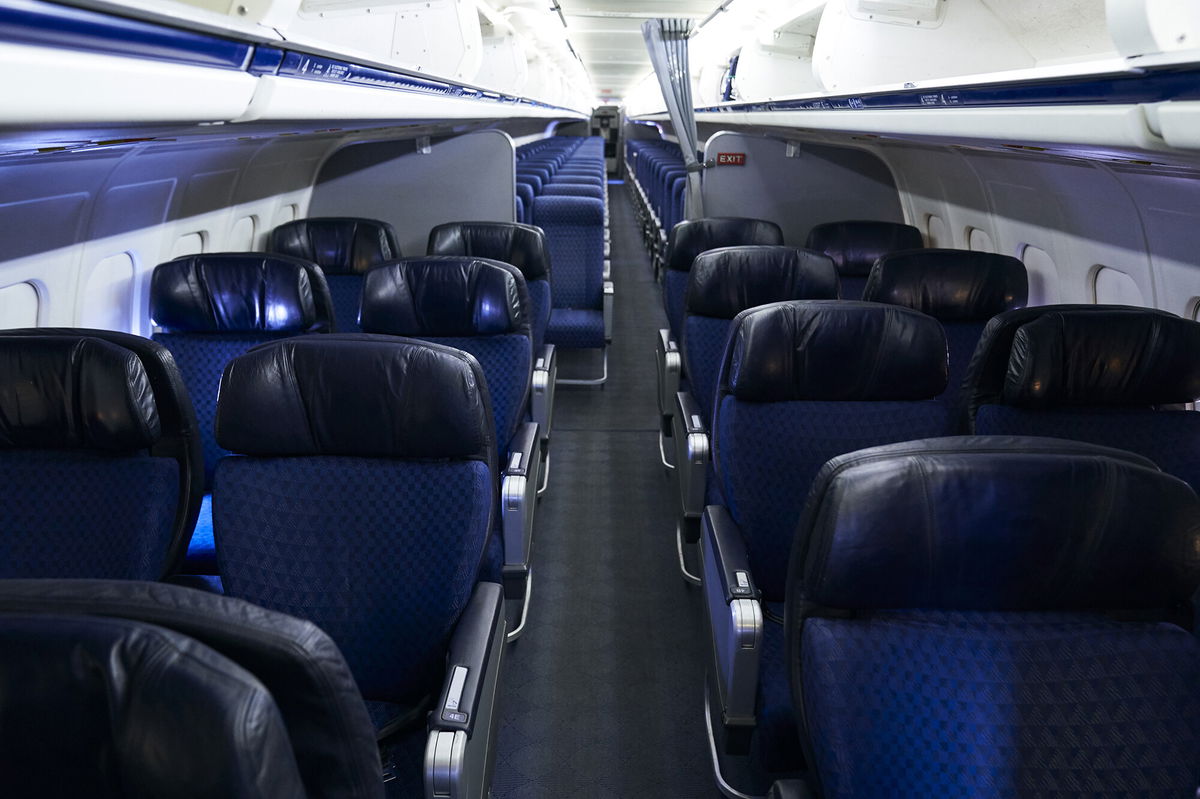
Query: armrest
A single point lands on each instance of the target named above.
(463, 725)
(545, 372)
(608, 310)
(669, 361)
(518, 498)
(691, 454)
(734, 616)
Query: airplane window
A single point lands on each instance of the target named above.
(935, 230)
(242, 236)
(1194, 307)
(1114, 287)
(108, 297)
(19, 305)
(287, 213)
(188, 244)
(979, 240)
(1042, 272)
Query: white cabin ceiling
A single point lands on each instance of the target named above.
(607, 36)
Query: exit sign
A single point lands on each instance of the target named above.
(731, 159)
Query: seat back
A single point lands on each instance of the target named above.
(1092, 373)
(561, 189)
(523, 246)
(472, 304)
(968, 613)
(855, 245)
(344, 248)
(959, 288)
(726, 281)
(115, 708)
(381, 497)
(692, 237)
(210, 308)
(327, 723)
(804, 381)
(574, 228)
(86, 491)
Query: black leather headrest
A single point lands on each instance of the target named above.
(834, 350)
(445, 295)
(855, 245)
(1117, 357)
(987, 373)
(339, 245)
(726, 281)
(995, 523)
(523, 246)
(692, 237)
(233, 293)
(81, 393)
(358, 395)
(298, 663)
(950, 285)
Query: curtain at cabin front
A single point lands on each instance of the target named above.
(667, 41)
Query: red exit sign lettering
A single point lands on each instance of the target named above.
(731, 159)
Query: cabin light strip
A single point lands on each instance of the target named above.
(43, 24)
(1148, 86)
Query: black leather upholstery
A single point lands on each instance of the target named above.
(523, 246)
(855, 245)
(987, 373)
(726, 281)
(445, 295)
(179, 435)
(115, 708)
(996, 523)
(239, 293)
(307, 676)
(692, 237)
(1104, 358)
(81, 393)
(834, 350)
(951, 285)
(313, 395)
(339, 245)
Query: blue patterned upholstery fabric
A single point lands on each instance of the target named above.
(572, 328)
(506, 361)
(381, 554)
(201, 358)
(71, 513)
(703, 347)
(852, 286)
(768, 453)
(1169, 438)
(539, 311)
(675, 285)
(575, 240)
(201, 551)
(345, 291)
(961, 338)
(776, 739)
(953, 704)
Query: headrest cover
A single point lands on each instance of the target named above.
(339, 245)
(983, 523)
(359, 395)
(1118, 357)
(232, 293)
(726, 281)
(855, 245)
(444, 295)
(692, 237)
(523, 246)
(834, 350)
(950, 285)
(74, 393)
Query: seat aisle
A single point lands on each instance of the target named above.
(603, 694)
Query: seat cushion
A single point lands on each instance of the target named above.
(574, 328)
(202, 552)
(945, 703)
